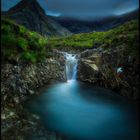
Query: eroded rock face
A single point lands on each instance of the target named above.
(100, 68)
(18, 83)
(25, 78)
(18, 124)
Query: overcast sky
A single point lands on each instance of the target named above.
(82, 8)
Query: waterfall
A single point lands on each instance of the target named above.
(71, 66)
(71, 63)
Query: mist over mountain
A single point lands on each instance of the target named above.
(103, 24)
(81, 9)
(32, 15)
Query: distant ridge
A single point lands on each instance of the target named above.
(30, 14)
(81, 26)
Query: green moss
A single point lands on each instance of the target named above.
(8, 40)
(6, 28)
(29, 57)
(17, 41)
(22, 43)
(22, 30)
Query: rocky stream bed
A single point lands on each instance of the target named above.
(19, 82)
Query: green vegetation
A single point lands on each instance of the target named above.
(126, 35)
(20, 43)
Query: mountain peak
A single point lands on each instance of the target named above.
(30, 14)
(32, 5)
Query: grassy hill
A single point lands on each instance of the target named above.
(18, 43)
(126, 34)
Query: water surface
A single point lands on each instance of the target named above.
(83, 112)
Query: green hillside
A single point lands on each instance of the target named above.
(18, 43)
(126, 35)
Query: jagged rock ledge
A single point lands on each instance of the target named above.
(101, 68)
(18, 83)
(96, 66)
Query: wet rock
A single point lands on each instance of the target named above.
(100, 67)
(31, 92)
(18, 82)
(17, 100)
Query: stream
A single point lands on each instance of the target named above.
(81, 111)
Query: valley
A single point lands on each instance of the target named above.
(54, 77)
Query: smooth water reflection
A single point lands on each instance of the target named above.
(82, 112)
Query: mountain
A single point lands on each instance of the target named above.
(30, 14)
(81, 26)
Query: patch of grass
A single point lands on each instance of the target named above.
(126, 34)
(22, 43)
(29, 57)
(8, 40)
(22, 30)
(17, 41)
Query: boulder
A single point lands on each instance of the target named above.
(100, 67)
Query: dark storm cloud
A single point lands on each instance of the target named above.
(91, 8)
(84, 8)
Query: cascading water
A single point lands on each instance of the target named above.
(95, 110)
(71, 66)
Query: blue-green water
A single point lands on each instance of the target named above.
(82, 112)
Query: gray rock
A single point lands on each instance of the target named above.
(99, 68)
(31, 92)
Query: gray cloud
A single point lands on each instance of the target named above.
(83, 8)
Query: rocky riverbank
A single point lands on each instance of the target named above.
(112, 69)
(18, 83)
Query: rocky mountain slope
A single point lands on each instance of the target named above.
(30, 14)
(82, 26)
